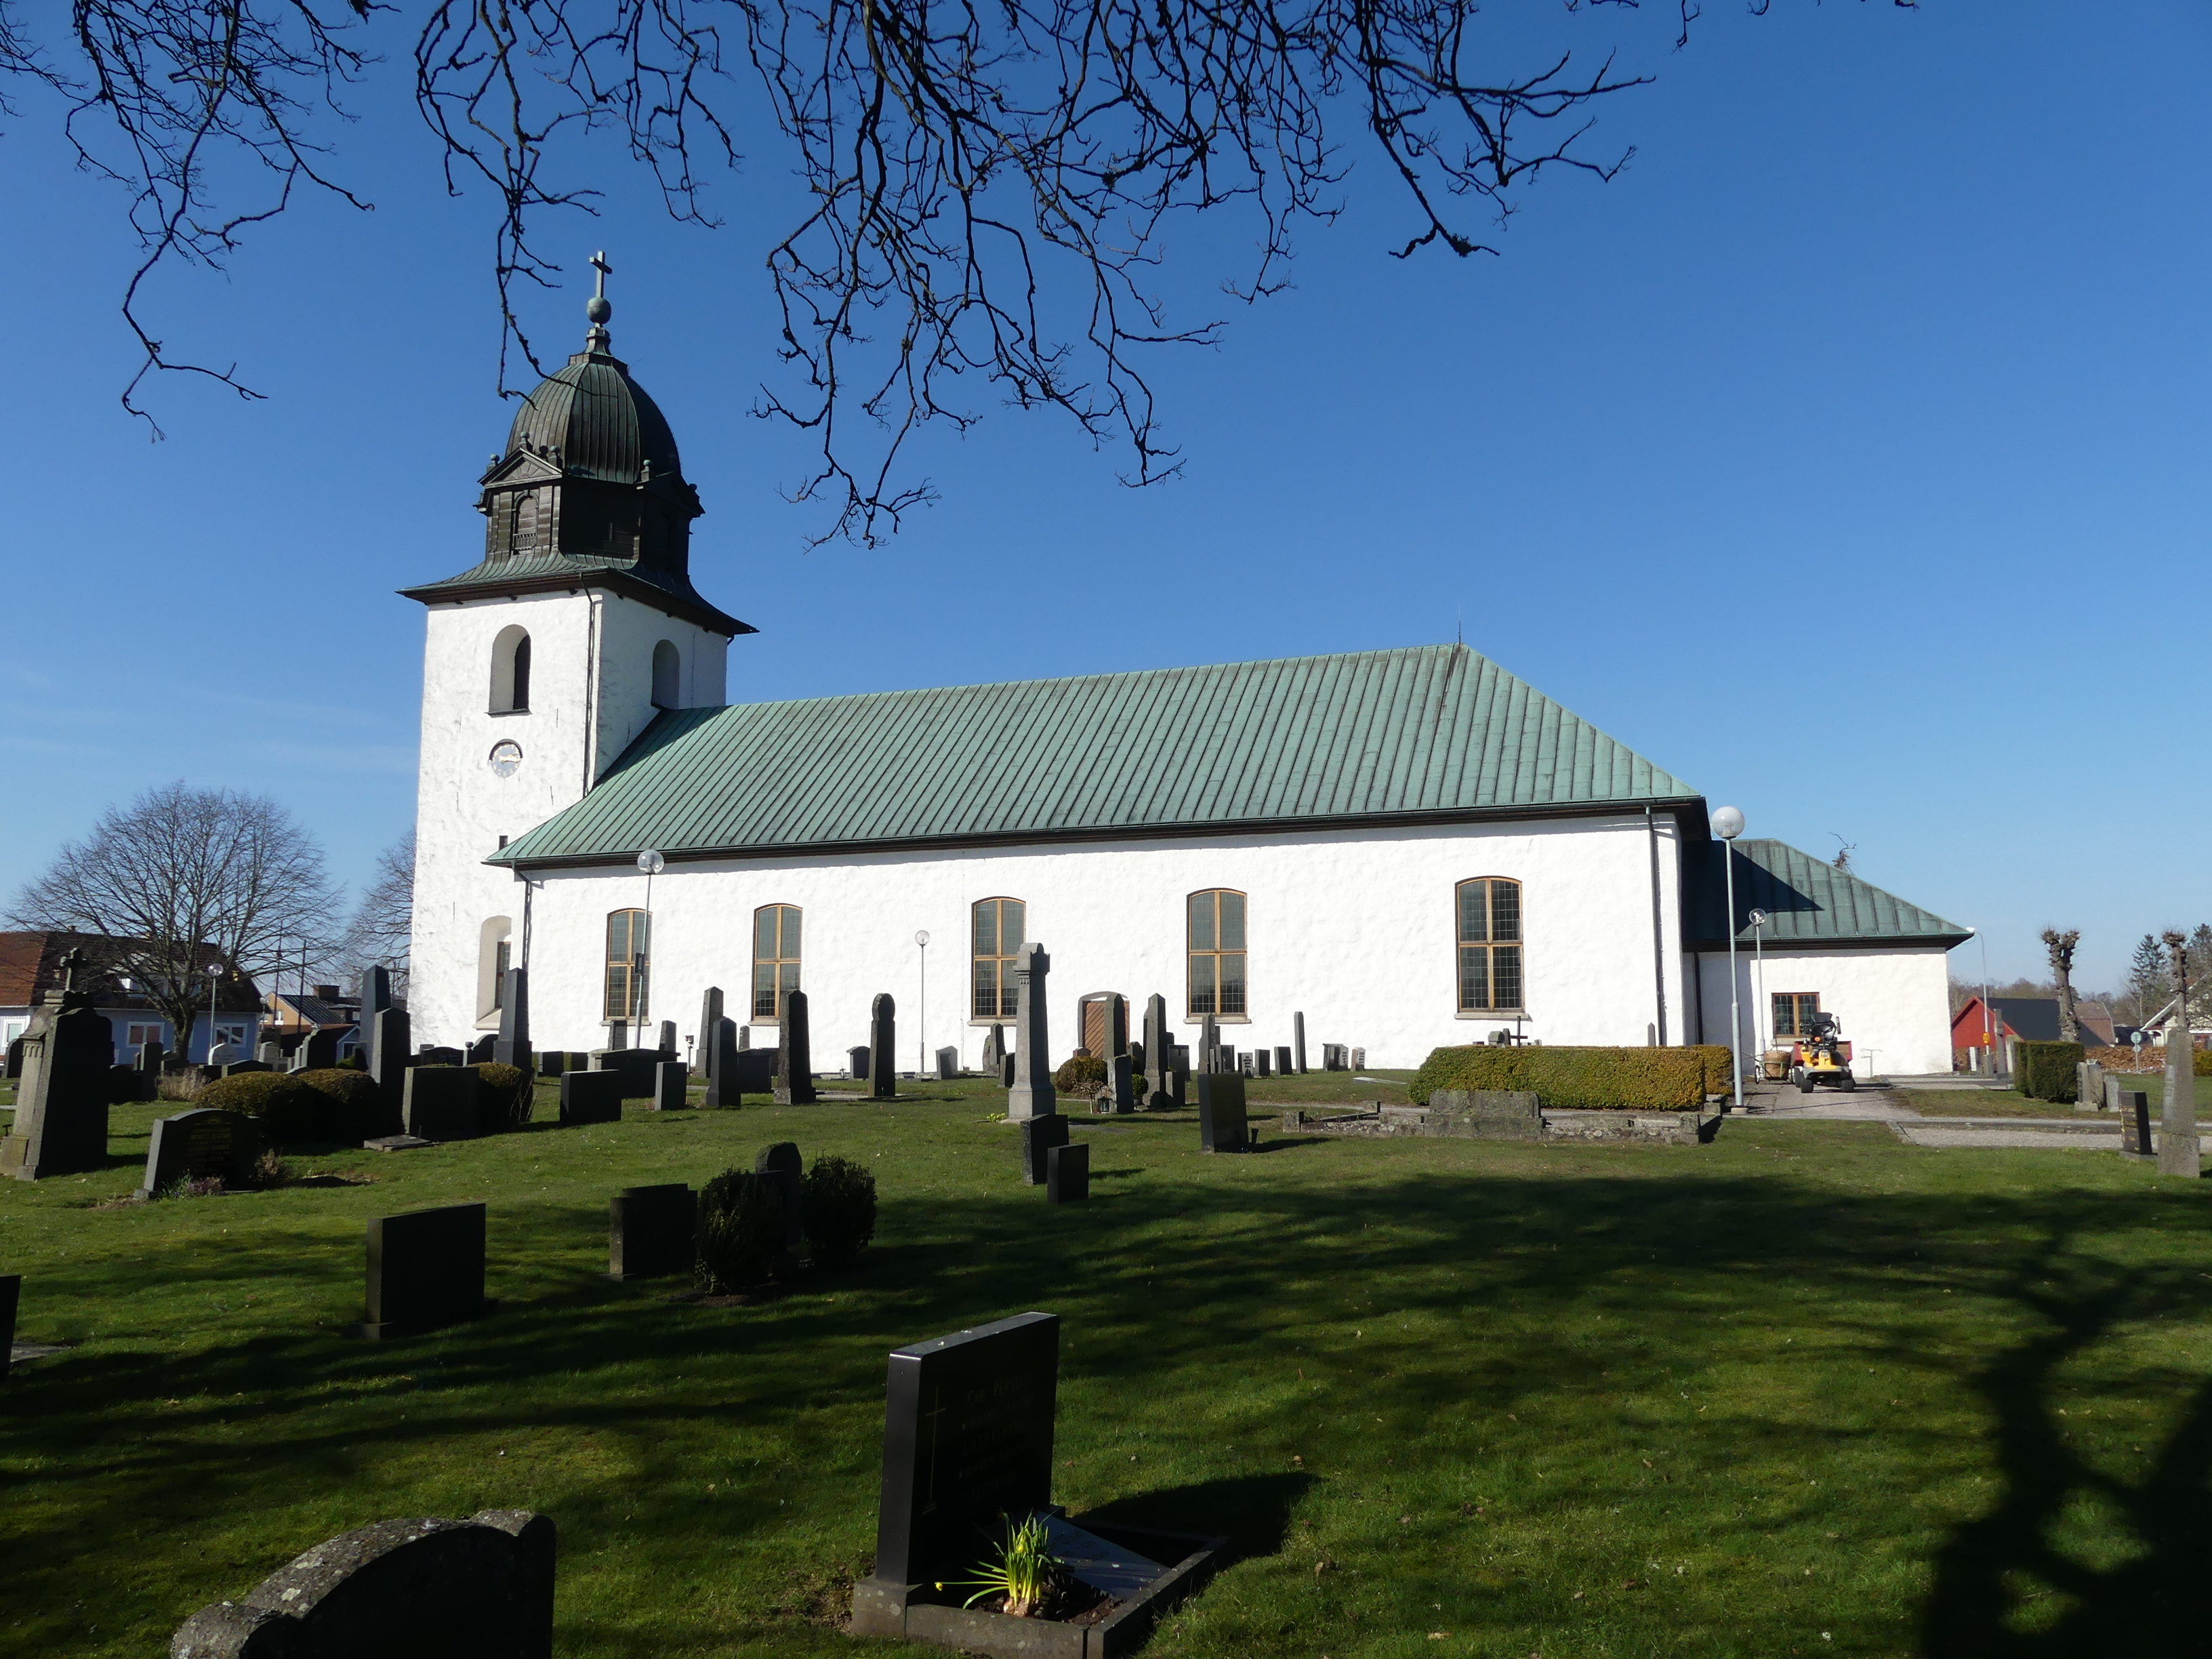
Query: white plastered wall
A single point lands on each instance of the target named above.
(1892, 1004)
(591, 682)
(1352, 927)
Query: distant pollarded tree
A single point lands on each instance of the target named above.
(2061, 946)
(381, 933)
(193, 888)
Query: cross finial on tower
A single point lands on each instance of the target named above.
(597, 307)
(599, 263)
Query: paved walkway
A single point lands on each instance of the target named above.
(2095, 1132)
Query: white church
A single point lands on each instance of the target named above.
(1411, 847)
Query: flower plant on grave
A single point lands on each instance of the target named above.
(507, 1095)
(838, 1200)
(741, 1231)
(1023, 1568)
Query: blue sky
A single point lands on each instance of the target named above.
(1846, 455)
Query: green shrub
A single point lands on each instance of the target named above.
(284, 1107)
(507, 1095)
(741, 1229)
(838, 1200)
(352, 1103)
(1083, 1074)
(1580, 1078)
(2045, 1071)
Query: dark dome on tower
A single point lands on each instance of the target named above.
(596, 422)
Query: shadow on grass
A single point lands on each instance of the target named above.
(1173, 1290)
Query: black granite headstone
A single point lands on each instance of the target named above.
(948, 1064)
(1298, 1042)
(756, 1073)
(672, 1080)
(193, 1145)
(636, 1068)
(2135, 1124)
(1263, 1063)
(725, 1083)
(1006, 1072)
(1283, 1061)
(439, 1054)
(1039, 1136)
(479, 1052)
(389, 1063)
(1067, 1174)
(794, 1080)
(320, 1050)
(652, 1231)
(552, 1063)
(1220, 1112)
(512, 1046)
(590, 1097)
(967, 1427)
(426, 1268)
(780, 1164)
(856, 1063)
(883, 1048)
(443, 1103)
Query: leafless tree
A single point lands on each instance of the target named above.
(991, 184)
(191, 888)
(2061, 946)
(383, 925)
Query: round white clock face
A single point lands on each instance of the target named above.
(505, 755)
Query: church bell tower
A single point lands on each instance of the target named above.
(577, 629)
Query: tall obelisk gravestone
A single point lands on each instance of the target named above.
(883, 1048)
(794, 1082)
(1032, 1094)
(61, 1103)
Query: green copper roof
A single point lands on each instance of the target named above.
(1807, 902)
(1429, 733)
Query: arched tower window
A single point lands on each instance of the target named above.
(510, 671)
(524, 536)
(667, 669)
(1490, 944)
(1000, 925)
(495, 955)
(1217, 953)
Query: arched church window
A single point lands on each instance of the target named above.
(1000, 927)
(1217, 953)
(627, 942)
(1490, 944)
(775, 959)
(666, 667)
(495, 955)
(524, 537)
(510, 671)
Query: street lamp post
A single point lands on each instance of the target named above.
(1760, 1022)
(652, 864)
(921, 1007)
(1727, 824)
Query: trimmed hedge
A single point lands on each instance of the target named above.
(507, 1095)
(285, 1107)
(1083, 1074)
(2045, 1071)
(741, 1231)
(1580, 1078)
(838, 1200)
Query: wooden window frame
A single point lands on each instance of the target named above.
(1001, 959)
(1793, 1027)
(1489, 944)
(632, 990)
(778, 962)
(1214, 955)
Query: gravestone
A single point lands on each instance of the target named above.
(1228, 1060)
(439, 1053)
(1039, 1136)
(710, 1018)
(426, 1268)
(321, 1051)
(882, 1048)
(1067, 1174)
(856, 1063)
(2088, 1085)
(196, 1145)
(1160, 1055)
(780, 1163)
(618, 1035)
(389, 1064)
(1006, 1072)
(948, 1064)
(2135, 1123)
(443, 1102)
(11, 1295)
(1244, 1065)
(1298, 1042)
(1332, 1057)
(668, 1038)
(756, 1072)
(968, 1430)
(226, 1052)
(242, 1067)
(151, 1057)
(552, 1063)
(1262, 1062)
(2178, 1153)
(638, 1069)
(1283, 1061)
(375, 999)
(1221, 1126)
(723, 1084)
(794, 1054)
(424, 1588)
(994, 1051)
(1357, 1062)
(1209, 1044)
(61, 1103)
(590, 1097)
(512, 1046)
(479, 1052)
(271, 1055)
(14, 1060)
(652, 1233)
(1120, 1065)
(1031, 1094)
(671, 1080)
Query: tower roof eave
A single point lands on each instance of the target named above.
(565, 573)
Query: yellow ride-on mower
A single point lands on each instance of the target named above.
(1823, 1058)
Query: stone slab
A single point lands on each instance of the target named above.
(425, 1269)
(1039, 1136)
(652, 1233)
(1067, 1174)
(443, 1103)
(594, 1096)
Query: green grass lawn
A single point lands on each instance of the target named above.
(2010, 1103)
(1805, 1390)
